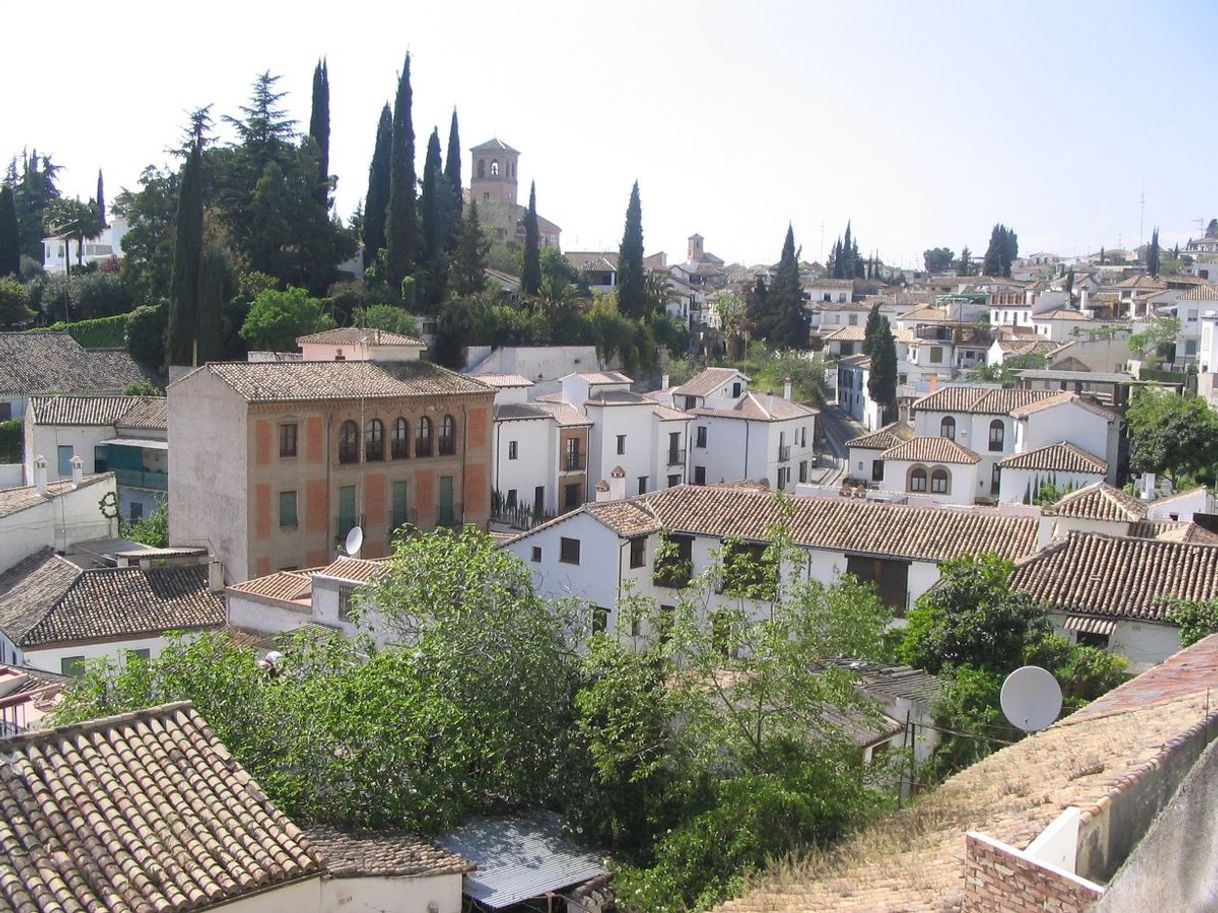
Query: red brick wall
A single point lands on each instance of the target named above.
(1000, 879)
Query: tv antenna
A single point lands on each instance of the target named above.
(354, 542)
(1031, 698)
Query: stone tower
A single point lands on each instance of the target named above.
(493, 180)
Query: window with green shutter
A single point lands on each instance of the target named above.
(399, 504)
(287, 508)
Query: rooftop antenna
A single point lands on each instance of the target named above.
(1031, 698)
(354, 542)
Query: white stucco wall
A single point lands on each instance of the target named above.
(1015, 483)
(963, 486)
(51, 659)
(1074, 424)
(72, 517)
(536, 460)
(391, 895)
(1143, 643)
(45, 440)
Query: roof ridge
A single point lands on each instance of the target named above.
(35, 736)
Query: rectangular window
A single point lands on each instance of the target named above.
(746, 572)
(699, 475)
(136, 513)
(664, 622)
(399, 504)
(344, 603)
(73, 666)
(346, 510)
(673, 567)
(877, 470)
(572, 495)
(143, 653)
(936, 355)
(700, 440)
(65, 461)
(642, 485)
(890, 578)
(287, 509)
(638, 551)
(447, 510)
(511, 450)
(803, 471)
(287, 440)
(511, 499)
(674, 481)
(621, 443)
(600, 619)
(568, 550)
(537, 554)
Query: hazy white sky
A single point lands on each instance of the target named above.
(923, 122)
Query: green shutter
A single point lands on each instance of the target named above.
(399, 504)
(346, 509)
(287, 508)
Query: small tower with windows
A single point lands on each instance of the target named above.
(493, 180)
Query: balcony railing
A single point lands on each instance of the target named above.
(676, 457)
(422, 447)
(348, 453)
(140, 478)
(399, 449)
(448, 446)
(374, 452)
(520, 517)
(449, 515)
(574, 462)
(784, 452)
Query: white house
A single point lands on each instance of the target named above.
(1061, 324)
(827, 290)
(1065, 466)
(935, 467)
(359, 344)
(125, 435)
(866, 460)
(604, 549)
(545, 366)
(60, 253)
(738, 434)
(55, 515)
(853, 374)
(56, 615)
(1189, 308)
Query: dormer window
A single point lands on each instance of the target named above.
(737, 389)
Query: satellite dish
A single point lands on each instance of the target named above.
(355, 541)
(1031, 698)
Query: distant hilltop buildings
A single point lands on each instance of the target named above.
(493, 186)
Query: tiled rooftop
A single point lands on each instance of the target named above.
(1098, 501)
(42, 362)
(1063, 457)
(913, 861)
(125, 411)
(761, 407)
(46, 599)
(931, 450)
(142, 813)
(981, 400)
(889, 436)
(707, 381)
(1118, 576)
(360, 336)
(339, 380)
(387, 853)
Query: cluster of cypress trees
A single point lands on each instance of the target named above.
(777, 313)
(1002, 251)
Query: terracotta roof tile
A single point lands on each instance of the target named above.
(708, 381)
(1098, 501)
(1201, 293)
(135, 813)
(931, 450)
(501, 381)
(287, 586)
(55, 362)
(354, 854)
(981, 400)
(1118, 576)
(360, 336)
(888, 436)
(310, 380)
(761, 407)
(144, 411)
(1063, 457)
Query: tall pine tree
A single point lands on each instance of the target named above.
(319, 129)
(966, 262)
(469, 259)
(452, 175)
(182, 334)
(530, 277)
(882, 379)
(432, 275)
(790, 319)
(10, 240)
(1002, 251)
(376, 204)
(401, 229)
(874, 319)
(1152, 254)
(101, 203)
(631, 289)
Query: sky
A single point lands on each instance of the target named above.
(1079, 124)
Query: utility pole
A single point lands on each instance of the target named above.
(1141, 220)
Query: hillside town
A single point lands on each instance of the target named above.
(412, 561)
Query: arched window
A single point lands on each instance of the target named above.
(448, 436)
(947, 428)
(939, 482)
(348, 443)
(422, 443)
(481, 168)
(495, 168)
(917, 479)
(997, 433)
(401, 439)
(374, 442)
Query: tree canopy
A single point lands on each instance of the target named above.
(1002, 251)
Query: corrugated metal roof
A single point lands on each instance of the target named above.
(520, 857)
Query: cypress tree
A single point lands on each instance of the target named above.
(872, 329)
(217, 286)
(182, 333)
(994, 253)
(376, 204)
(10, 240)
(452, 176)
(882, 380)
(530, 279)
(847, 268)
(1152, 254)
(101, 203)
(433, 279)
(469, 261)
(786, 300)
(1070, 282)
(401, 229)
(319, 129)
(631, 291)
(757, 303)
(966, 262)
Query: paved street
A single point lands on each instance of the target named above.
(836, 429)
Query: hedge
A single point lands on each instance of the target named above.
(98, 333)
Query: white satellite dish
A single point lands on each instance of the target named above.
(1031, 698)
(355, 541)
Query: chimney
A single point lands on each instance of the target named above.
(933, 380)
(215, 575)
(1082, 299)
(602, 491)
(617, 484)
(786, 388)
(78, 471)
(663, 381)
(40, 474)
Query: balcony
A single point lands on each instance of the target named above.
(450, 515)
(784, 453)
(399, 448)
(140, 478)
(374, 452)
(422, 447)
(676, 456)
(574, 462)
(448, 446)
(348, 453)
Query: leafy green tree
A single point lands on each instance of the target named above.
(277, 319)
(376, 204)
(13, 309)
(146, 335)
(1196, 618)
(74, 221)
(530, 277)
(151, 214)
(789, 319)
(10, 240)
(100, 203)
(1172, 435)
(469, 259)
(631, 292)
(401, 230)
(387, 317)
(319, 130)
(182, 332)
(1158, 339)
(217, 285)
(937, 259)
(152, 530)
(432, 274)
(33, 192)
(143, 387)
(1152, 253)
(882, 380)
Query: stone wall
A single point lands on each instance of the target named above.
(1001, 879)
